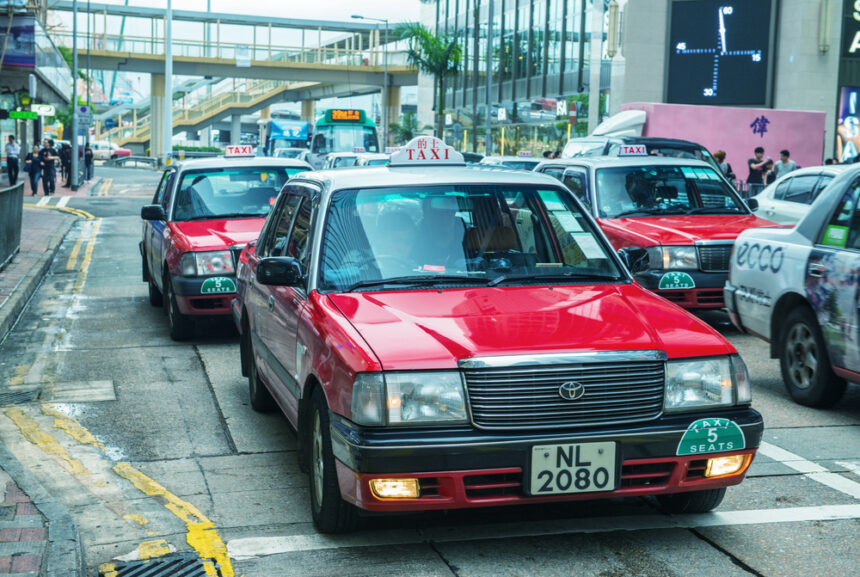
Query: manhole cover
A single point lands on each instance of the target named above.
(188, 565)
(18, 397)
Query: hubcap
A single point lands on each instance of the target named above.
(317, 459)
(802, 356)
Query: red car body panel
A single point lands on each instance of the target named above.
(676, 230)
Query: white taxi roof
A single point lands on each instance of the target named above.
(240, 161)
(508, 158)
(616, 161)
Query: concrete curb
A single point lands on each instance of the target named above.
(14, 305)
(93, 185)
(64, 556)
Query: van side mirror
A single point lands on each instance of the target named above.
(634, 258)
(152, 212)
(279, 271)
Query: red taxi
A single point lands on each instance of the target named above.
(202, 214)
(442, 336)
(679, 216)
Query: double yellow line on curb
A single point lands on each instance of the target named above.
(104, 187)
(74, 211)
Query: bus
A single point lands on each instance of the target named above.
(284, 134)
(342, 130)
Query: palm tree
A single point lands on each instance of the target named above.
(407, 128)
(438, 56)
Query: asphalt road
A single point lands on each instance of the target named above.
(152, 447)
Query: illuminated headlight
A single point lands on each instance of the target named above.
(705, 383)
(673, 257)
(206, 263)
(408, 398)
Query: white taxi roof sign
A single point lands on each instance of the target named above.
(633, 150)
(239, 150)
(426, 150)
(524, 153)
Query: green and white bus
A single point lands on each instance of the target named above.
(342, 130)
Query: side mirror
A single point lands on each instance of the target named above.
(634, 258)
(280, 271)
(152, 212)
(752, 203)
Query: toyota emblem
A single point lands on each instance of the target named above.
(571, 391)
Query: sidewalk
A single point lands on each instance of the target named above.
(37, 535)
(83, 190)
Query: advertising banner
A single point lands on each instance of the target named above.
(20, 45)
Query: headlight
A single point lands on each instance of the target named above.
(408, 398)
(673, 257)
(206, 263)
(700, 384)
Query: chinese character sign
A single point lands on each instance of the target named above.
(759, 125)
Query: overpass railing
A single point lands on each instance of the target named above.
(11, 212)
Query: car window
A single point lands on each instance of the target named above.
(168, 190)
(843, 230)
(159, 192)
(575, 182)
(276, 240)
(781, 189)
(299, 246)
(800, 189)
(553, 171)
(822, 184)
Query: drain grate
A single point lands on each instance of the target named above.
(19, 397)
(183, 565)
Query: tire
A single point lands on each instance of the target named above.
(261, 399)
(331, 514)
(181, 326)
(805, 363)
(156, 299)
(692, 502)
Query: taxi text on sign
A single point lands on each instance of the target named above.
(633, 150)
(426, 150)
(240, 150)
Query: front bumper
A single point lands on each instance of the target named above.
(465, 467)
(707, 294)
(191, 300)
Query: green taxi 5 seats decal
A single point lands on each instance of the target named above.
(711, 436)
(218, 285)
(676, 280)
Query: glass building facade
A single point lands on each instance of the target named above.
(539, 65)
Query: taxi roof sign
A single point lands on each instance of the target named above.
(239, 150)
(426, 150)
(633, 150)
(524, 153)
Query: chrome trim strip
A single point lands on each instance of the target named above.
(720, 242)
(550, 359)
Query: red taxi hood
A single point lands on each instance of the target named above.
(433, 330)
(678, 230)
(219, 234)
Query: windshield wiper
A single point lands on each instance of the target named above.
(418, 280)
(713, 210)
(572, 275)
(648, 211)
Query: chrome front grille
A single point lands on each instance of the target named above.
(715, 258)
(527, 397)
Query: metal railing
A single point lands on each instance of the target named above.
(11, 212)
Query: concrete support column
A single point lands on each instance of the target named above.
(206, 136)
(594, 67)
(235, 128)
(308, 110)
(392, 100)
(156, 124)
(263, 125)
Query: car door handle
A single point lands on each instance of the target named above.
(271, 302)
(816, 270)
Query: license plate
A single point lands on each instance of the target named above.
(572, 468)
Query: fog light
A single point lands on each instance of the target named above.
(395, 488)
(719, 466)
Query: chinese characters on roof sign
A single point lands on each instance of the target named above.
(426, 150)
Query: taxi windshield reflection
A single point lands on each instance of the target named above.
(491, 232)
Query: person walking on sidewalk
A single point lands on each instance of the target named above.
(13, 151)
(33, 169)
(757, 166)
(47, 157)
(784, 166)
(89, 162)
(66, 162)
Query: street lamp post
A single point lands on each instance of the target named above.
(385, 77)
(74, 180)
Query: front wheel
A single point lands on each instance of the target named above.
(805, 363)
(331, 514)
(156, 299)
(692, 502)
(181, 326)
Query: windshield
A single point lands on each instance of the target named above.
(345, 138)
(290, 152)
(458, 235)
(229, 192)
(678, 152)
(663, 190)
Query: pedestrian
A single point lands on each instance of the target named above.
(725, 167)
(32, 168)
(784, 166)
(769, 174)
(755, 180)
(557, 153)
(89, 162)
(829, 161)
(66, 162)
(47, 157)
(547, 154)
(13, 151)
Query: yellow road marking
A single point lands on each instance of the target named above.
(137, 518)
(152, 549)
(108, 569)
(75, 211)
(201, 536)
(19, 376)
(73, 256)
(31, 431)
(71, 427)
(105, 186)
(88, 256)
